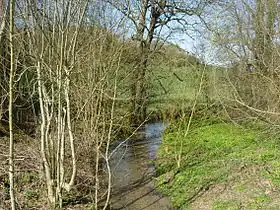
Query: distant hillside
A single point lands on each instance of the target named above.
(174, 56)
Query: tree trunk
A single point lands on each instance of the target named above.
(137, 114)
(44, 136)
(139, 86)
(11, 91)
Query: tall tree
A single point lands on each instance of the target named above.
(11, 97)
(149, 18)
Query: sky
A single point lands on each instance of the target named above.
(196, 44)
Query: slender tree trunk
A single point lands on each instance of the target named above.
(3, 16)
(71, 183)
(135, 86)
(141, 101)
(44, 135)
(11, 83)
(3, 55)
(139, 87)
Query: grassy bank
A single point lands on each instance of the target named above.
(224, 166)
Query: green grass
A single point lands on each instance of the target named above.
(173, 89)
(216, 153)
(228, 205)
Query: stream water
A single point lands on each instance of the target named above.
(132, 172)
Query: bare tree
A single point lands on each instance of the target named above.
(149, 18)
(11, 100)
(97, 116)
(3, 16)
(247, 42)
(264, 19)
(53, 39)
(3, 89)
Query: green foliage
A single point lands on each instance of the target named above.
(172, 89)
(259, 202)
(228, 205)
(30, 194)
(212, 152)
(28, 178)
(240, 187)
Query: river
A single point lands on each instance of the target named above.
(132, 172)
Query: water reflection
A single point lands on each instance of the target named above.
(131, 160)
(153, 134)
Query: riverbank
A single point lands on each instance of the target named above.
(223, 165)
(131, 168)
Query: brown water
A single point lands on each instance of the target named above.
(133, 172)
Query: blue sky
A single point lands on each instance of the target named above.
(196, 45)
